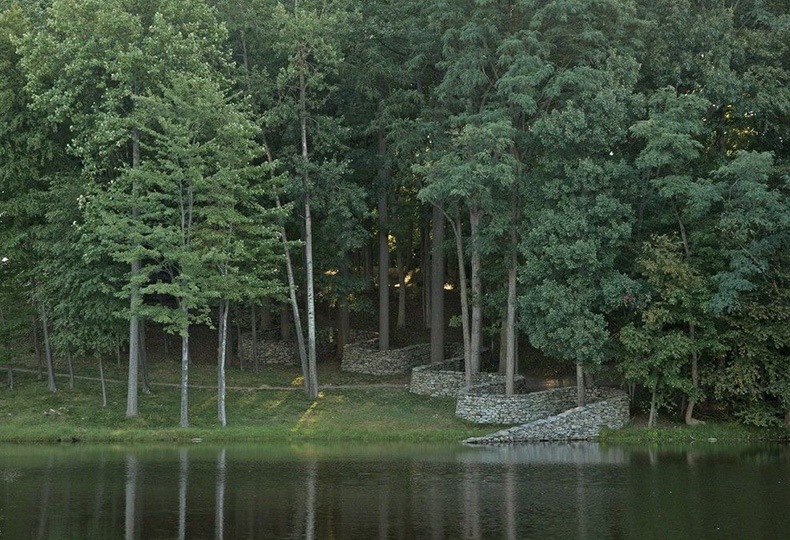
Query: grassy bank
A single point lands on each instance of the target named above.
(671, 433)
(262, 407)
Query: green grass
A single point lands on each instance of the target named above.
(709, 431)
(29, 413)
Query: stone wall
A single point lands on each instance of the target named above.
(610, 409)
(269, 351)
(364, 357)
(448, 379)
(487, 403)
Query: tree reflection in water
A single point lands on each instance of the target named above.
(530, 491)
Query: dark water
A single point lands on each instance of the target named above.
(345, 492)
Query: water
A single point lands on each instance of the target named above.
(553, 491)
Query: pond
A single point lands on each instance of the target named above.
(573, 490)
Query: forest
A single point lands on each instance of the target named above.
(606, 180)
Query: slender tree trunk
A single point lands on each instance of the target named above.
(400, 262)
(51, 386)
(103, 385)
(384, 252)
(266, 315)
(144, 360)
(343, 316)
(689, 417)
(510, 325)
(580, 390)
(135, 299)
(254, 330)
(70, 365)
(651, 420)
(223, 331)
(37, 347)
(185, 367)
(459, 251)
(425, 276)
(477, 290)
(239, 339)
(312, 379)
(437, 286)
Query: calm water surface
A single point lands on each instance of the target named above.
(580, 490)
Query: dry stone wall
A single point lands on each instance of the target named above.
(364, 357)
(269, 351)
(448, 379)
(611, 409)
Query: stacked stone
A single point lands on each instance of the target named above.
(269, 352)
(364, 357)
(448, 379)
(579, 423)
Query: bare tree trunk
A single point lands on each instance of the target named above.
(135, 300)
(144, 359)
(70, 365)
(183, 478)
(343, 318)
(437, 286)
(185, 367)
(459, 251)
(580, 393)
(239, 338)
(103, 385)
(223, 331)
(651, 420)
(254, 330)
(312, 372)
(425, 276)
(400, 262)
(219, 504)
(37, 347)
(384, 252)
(689, 417)
(510, 324)
(130, 515)
(477, 291)
(51, 386)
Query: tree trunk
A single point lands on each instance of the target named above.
(400, 262)
(459, 251)
(477, 290)
(425, 276)
(223, 332)
(37, 347)
(437, 286)
(580, 390)
(312, 372)
(184, 367)
(239, 339)
(254, 330)
(10, 378)
(103, 385)
(51, 386)
(384, 252)
(343, 318)
(651, 420)
(135, 300)
(510, 323)
(70, 365)
(144, 359)
(689, 417)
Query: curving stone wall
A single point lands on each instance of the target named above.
(611, 409)
(448, 379)
(364, 357)
(487, 403)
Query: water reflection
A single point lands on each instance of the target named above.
(529, 491)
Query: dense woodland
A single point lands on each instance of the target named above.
(606, 179)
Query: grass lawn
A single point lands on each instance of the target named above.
(269, 406)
